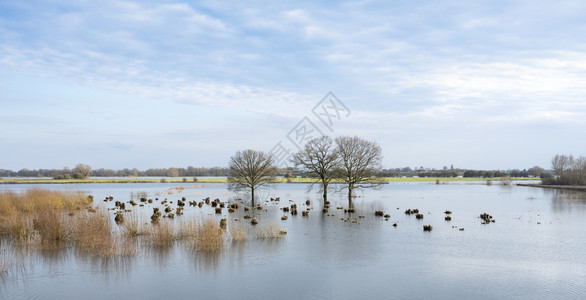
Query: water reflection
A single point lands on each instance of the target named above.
(205, 261)
(160, 254)
(566, 200)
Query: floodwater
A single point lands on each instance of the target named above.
(534, 249)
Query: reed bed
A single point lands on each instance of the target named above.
(162, 234)
(36, 215)
(203, 235)
(46, 222)
(237, 231)
(93, 234)
(38, 199)
(53, 230)
(134, 226)
(269, 230)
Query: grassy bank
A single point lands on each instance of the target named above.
(224, 180)
(102, 181)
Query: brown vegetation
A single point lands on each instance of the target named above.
(162, 235)
(237, 231)
(205, 235)
(269, 230)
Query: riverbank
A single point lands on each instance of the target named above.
(440, 180)
(559, 187)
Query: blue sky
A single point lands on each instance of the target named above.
(116, 84)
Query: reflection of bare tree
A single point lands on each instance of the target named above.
(566, 200)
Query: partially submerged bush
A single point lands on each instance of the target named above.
(119, 219)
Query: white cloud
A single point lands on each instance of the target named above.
(439, 64)
(478, 23)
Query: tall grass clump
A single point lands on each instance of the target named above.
(269, 230)
(93, 234)
(53, 230)
(237, 231)
(133, 226)
(163, 234)
(210, 237)
(204, 235)
(19, 229)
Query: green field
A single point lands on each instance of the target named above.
(223, 180)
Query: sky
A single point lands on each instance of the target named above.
(148, 84)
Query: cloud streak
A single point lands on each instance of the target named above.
(444, 65)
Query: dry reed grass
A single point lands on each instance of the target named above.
(19, 228)
(94, 235)
(36, 199)
(133, 226)
(162, 235)
(203, 235)
(41, 219)
(269, 230)
(53, 230)
(237, 231)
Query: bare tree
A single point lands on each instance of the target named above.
(360, 160)
(250, 169)
(82, 171)
(535, 171)
(569, 170)
(320, 158)
(561, 163)
(172, 172)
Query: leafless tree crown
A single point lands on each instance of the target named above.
(359, 161)
(319, 157)
(250, 169)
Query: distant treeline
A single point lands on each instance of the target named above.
(535, 171)
(286, 172)
(155, 172)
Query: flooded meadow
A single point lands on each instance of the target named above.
(528, 245)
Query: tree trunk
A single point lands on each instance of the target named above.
(325, 193)
(252, 195)
(350, 204)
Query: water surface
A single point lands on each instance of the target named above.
(533, 250)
